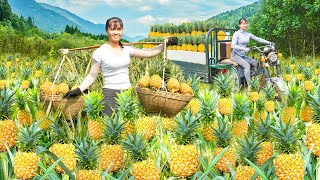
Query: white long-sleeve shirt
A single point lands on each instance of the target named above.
(240, 40)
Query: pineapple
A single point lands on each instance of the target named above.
(289, 112)
(147, 127)
(308, 84)
(189, 43)
(241, 110)
(144, 81)
(223, 135)
(45, 88)
(183, 43)
(155, 81)
(173, 85)
(202, 42)
(287, 77)
(194, 42)
(185, 89)
(259, 113)
(63, 148)
(184, 155)
(26, 160)
(254, 89)
(168, 124)
(292, 63)
(248, 148)
(299, 75)
(306, 111)
(63, 88)
(270, 95)
(87, 155)
(127, 107)
(208, 104)
(143, 167)
(8, 127)
(223, 83)
(263, 132)
(24, 117)
(111, 152)
(289, 163)
(313, 131)
(25, 75)
(194, 106)
(94, 106)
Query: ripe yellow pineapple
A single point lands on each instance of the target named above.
(263, 132)
(111, 152)
(313, 131)
(45, 88)
(241, 109)
(143, 167)
(41, 115)
(270, 95)
(155, 81)
(223, 136)
(63, 88)
(289, 112)
(184, 154)
(2, 84)
(147, 127)
(168, 124)
(144, 81)
(185, 88)
(259, 113)
(244, 172)
(63, 148)
(25, 76)
(8, 127)
(24, 118)
(173, 85)
(194, 106)
(26, 160)
(223, 83)
(254, 89)
(25, 84)
(94, 106)
(207, 131)
(289, 163)
(308, 84)
(87, 156)
(38, 74)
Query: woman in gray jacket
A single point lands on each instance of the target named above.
(239, 47)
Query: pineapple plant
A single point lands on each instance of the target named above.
(263, 133)
(87, 157)
(194, 106)
(289, 112)
(308, 84)
(287, 77)
(241, 110)
(189, 43)
(299, 75)
(23, 116)
(289, 163)
(208, 105)
(194, 28)
(270, 95)
(292, 63)
(111, 152)
(259, 112)
(223, 83)
(147, 127)
(26, 160)
(254, 89)
(62, 148)
(306, 110)
(194, 42)
(127, 107)
(93, 106)
(184, 156)
(313, 131)
(143, 167)
(184, 43)
(248, 148)
(223, 135)
(25, 76)
(8, 127)
(202, 42)
(38, 72)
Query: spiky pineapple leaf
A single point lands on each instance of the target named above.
(87, 153)
(136, 146)
(6, 101)
(186, 125)
(112, 132)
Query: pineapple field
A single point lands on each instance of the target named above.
(221, 133)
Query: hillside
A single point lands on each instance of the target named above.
(232, 17)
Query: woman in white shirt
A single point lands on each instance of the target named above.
(114, 59)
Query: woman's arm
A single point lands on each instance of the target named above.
(93, 74)
(144, 53)
(260, 40)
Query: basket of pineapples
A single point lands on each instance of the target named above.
(69, 107)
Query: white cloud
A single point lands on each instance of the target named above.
(164, 2)
(145, 8)
(146, 20)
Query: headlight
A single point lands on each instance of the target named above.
(273, 57)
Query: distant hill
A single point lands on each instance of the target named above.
(232, 17)
(54, 19)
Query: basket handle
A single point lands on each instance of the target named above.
(165, 60)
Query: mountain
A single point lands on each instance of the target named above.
(54, 19)
(232, 17)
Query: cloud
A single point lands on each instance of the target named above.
(146, 20)
(164, 2)
(145, 8)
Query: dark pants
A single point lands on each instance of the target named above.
(109, 100)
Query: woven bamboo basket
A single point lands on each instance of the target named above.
(69, 107)
(167, 103)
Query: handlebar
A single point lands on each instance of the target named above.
(260, 48)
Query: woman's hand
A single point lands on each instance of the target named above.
(72, 93)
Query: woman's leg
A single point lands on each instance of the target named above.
(109, 100)
(245, 64)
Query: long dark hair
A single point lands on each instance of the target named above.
(113, 22)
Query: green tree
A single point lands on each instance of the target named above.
(5, 10)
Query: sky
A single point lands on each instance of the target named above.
(138, 15)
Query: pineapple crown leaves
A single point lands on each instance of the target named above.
(223, 133)
(21, 99)
(94, 104)
(136, 146)
(293, 59)
(300, 68)
(186, 125)
(248, 148)
(112, 132)
(38, 64)
(34, 97)
(208, 104)
(314, 102)
(293, 95)
(29, 137)
(26, 73)
(60, 134)
(223, 83)
(6, 101)
(127, 105)
(195, 82)
(307, 73)
(3, 72)
(260, 104)
(87, 153)
(263, 129)
(287, 69)
(269, 92)
(254, 84)
(241, 106)
(287, 136)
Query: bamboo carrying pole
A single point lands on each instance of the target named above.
(125, 44)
